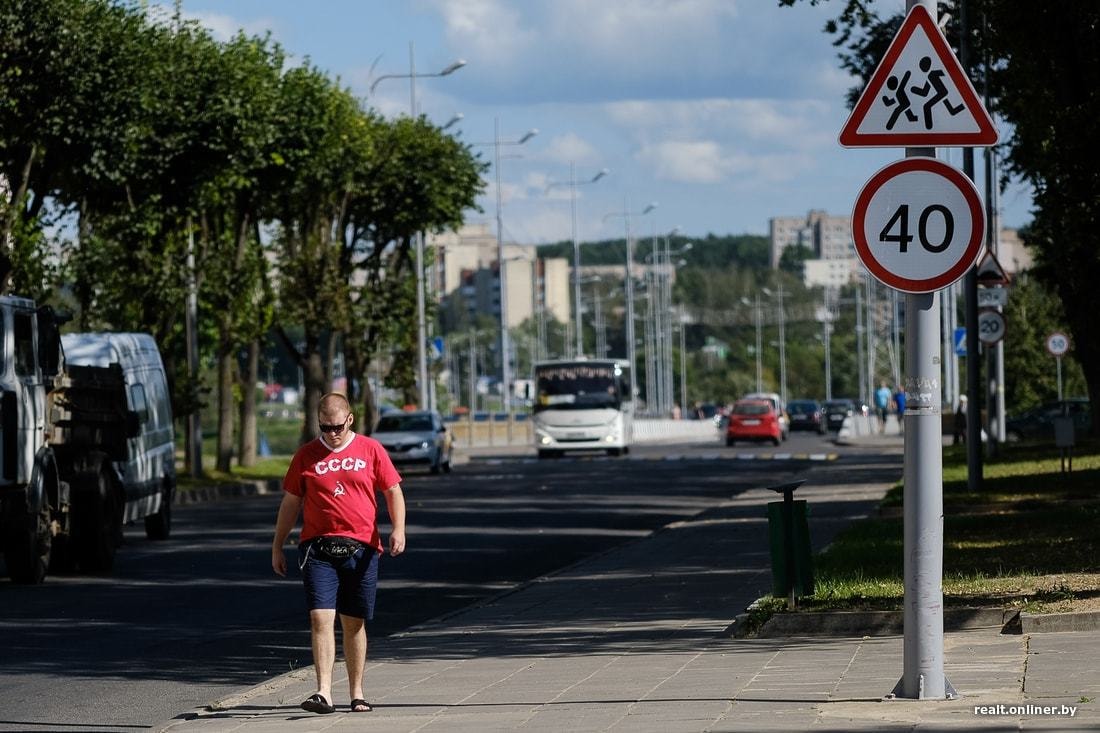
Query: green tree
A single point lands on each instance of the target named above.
(322, 140)
(793, 259)
(418, 181)
(1032, 314)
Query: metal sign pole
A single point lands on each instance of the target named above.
(923, 675)
(922, 664)
(920, 260)
(1058, 359)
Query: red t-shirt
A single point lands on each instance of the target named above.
(339, 487)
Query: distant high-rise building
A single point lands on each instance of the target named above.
(467, 276)
(827, 237)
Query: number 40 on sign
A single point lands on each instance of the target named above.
(918, 225)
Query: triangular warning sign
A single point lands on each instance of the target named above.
(990, 271)
(919, 95)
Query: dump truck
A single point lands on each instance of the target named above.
(86, 443)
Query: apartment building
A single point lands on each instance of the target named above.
(466, 277)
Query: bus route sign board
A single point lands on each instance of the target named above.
(918, 225)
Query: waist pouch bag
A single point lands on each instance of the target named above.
(337, 548)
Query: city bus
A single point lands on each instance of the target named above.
(583, 404)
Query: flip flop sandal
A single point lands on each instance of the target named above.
(316, 703)
(360, 703)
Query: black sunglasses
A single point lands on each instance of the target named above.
(337, 428)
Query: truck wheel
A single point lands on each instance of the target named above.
(27, 551)
(62, 557)
(98, 522)
(159, 526)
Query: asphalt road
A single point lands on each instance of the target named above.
(183, 622)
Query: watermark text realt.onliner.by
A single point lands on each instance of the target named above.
(1026, 709)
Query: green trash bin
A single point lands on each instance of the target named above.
(802, 571)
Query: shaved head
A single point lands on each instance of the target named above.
(333, 405)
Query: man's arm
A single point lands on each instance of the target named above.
(284, 523)
(395, 505)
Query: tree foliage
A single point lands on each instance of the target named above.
(149, 140)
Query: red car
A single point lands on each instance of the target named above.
(753, 420)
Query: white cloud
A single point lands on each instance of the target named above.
(697, 161)
(571, 148)
(720, 140)
(560, 50)
(221, 26)
(486, 28)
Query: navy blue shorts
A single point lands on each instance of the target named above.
(347, 584)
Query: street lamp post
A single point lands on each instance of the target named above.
(626, 214)
(758, 318)
(782, 319)
(666, 316)
(505, 367)
(573, 183)
(426, 395)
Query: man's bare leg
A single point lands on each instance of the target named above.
(323, 633)
(355, 653)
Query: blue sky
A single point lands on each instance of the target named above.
(723, 112)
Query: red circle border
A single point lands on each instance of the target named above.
(973, 247)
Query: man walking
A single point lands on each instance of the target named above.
(333, 481)
(883, 395)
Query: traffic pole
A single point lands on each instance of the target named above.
(923, 675)
(923, 657)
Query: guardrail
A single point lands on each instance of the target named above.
(468, 433)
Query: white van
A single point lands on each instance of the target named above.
(148, 475)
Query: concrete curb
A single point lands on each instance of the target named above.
(1031, 623)
(881, 623)
(874, 623)
(216, 492)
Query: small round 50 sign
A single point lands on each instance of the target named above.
(1057, 344)
(918, 225)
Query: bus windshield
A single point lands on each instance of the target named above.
(579, 386)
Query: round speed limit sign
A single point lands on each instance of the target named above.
(1057, 343)
(991, 326)
(918, 225)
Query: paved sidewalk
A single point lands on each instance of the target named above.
(637, 639)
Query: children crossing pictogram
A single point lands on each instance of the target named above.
(919, 95)
(936, 84)
(900, 99)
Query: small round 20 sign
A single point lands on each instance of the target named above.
(918, 225)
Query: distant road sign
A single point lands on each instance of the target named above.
(991, 326)
(990, 271)
(960, 342)
(1057, 343)
(992, 297)
(918, 225)
(919, 95)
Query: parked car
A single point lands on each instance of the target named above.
(835, 412)
(755, 420)
(415, 438)
(1038, 423)
(806, 415)
(780, 410)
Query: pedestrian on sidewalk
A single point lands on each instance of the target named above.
(883, 395)
(899, 405)
(959, 432)
(334, 481)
